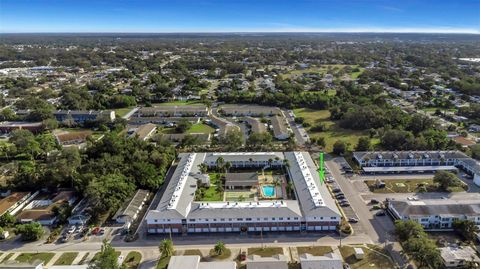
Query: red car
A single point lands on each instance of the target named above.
(96, 230)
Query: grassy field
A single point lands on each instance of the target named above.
(132, 260)
(265, 252)
(66, 258)
(408, 185)
(30, 257)
(334, 131)
(234, 196)
(316, 251)
(372, 260)
(200, 128)
(211, 193)
(120, 112)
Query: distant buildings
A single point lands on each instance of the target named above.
(129, 214)
(81, 116)
(435, 214)
(249, 110)
(9, 126)
(455, 256)
(173, 111)
(416, 162)
(143, 132)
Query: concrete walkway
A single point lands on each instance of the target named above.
(54, 259)
(79, 257)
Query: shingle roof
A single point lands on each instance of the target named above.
(434, 208)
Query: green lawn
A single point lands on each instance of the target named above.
(372, 260)
(120, 112)
(95, 257)
(315, 250)
(200, 128)
(265, 252)
(234, 196)
(192, 252)
(66, 258)
(30, 257)
(408, 185)
(334, 132)
(211, 193)
(132, 260)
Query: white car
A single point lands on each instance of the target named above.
(411, 198)
(71, 229)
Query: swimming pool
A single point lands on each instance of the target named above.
(268, 191)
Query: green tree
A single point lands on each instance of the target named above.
(339, 147)
(445, 179)
(467, 228)
(219, 248)
(363, 144)
(106, 258)
(407, 229)
(109, 192)
(183, 125)
(7, 220)
(30, 231)
(232, 140)
(166, 248)
(25, 143)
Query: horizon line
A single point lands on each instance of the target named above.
(248, 32)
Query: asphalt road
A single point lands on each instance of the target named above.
(301, 136)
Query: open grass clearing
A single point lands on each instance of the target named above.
(265, 252)
(371, 260)
(235, 196)
(45, 257)
(192, 252)
(120, 112)
(212, 193)
(95, 257)
(334, 132)
(200, 128)
(132, 260)
(66, 258)
(408, 185)
(314, 250)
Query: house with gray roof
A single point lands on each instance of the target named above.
(280, 128)
(328, 261)
(249, 110)
(416, 162)
(435, 214)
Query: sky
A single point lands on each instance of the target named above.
(160, 16)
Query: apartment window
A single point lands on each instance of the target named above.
(273, 218)
(248, 219)
(280, 218)
(222, 219)
(206, 219)
(265, 218)
(333, 217)
(240, 219)
(258, 219)
(295, 218)
(288, 218)
(191, 220)
(229, 219)
(156, 220)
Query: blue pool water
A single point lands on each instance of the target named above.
(268, 190)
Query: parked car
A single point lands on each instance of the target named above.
(342, 200)
(352, 220)
(347, 204)
(101, 232)
(374, 201)
(340, 196)
(96, 230)
(336, 190)
(380, 213)
(71, 229)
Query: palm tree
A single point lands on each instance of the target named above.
(166, 248)
(219, 162)
(227, 166)
(219, 248)
(203, 168)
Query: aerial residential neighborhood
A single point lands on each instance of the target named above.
(239, 134)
